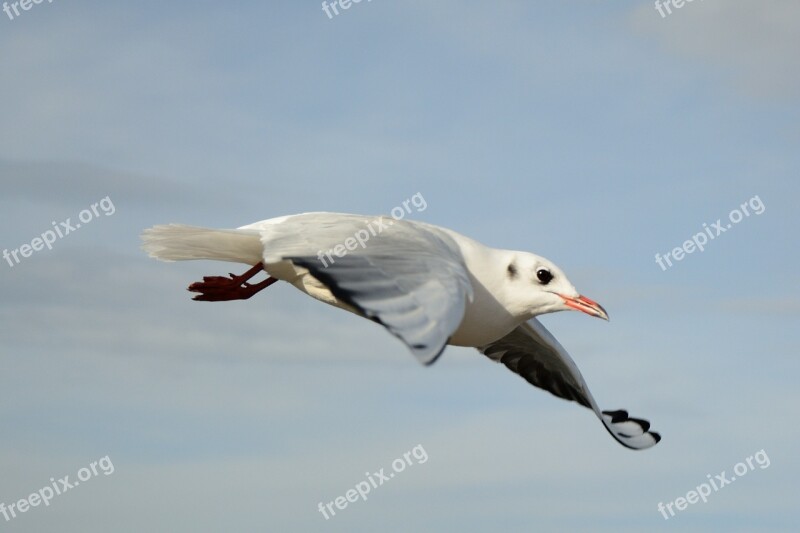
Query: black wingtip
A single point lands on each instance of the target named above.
(636, 440)
(617, 416)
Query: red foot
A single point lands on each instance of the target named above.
(221, 288)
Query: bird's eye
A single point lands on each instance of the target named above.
(544, 276)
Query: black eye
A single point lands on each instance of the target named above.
(544, 276)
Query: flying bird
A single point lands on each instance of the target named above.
(427, 285)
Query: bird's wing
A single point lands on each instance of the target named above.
(408, 277)
(532, 352)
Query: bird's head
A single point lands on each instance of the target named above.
(544, 288)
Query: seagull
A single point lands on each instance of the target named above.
(427, 285)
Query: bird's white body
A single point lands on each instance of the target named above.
(488, 316)
(491, 313)
(429, 286)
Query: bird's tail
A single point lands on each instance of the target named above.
(178, 242)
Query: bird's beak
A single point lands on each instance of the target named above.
(588, 306)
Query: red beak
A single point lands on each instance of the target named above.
(588, 306)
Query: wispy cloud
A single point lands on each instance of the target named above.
(753, 43)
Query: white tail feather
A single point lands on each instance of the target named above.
(178, 242)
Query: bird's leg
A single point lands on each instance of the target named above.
(222, 288)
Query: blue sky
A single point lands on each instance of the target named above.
(594, 134)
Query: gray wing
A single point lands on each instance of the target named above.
(407, 276)
(532, 352)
